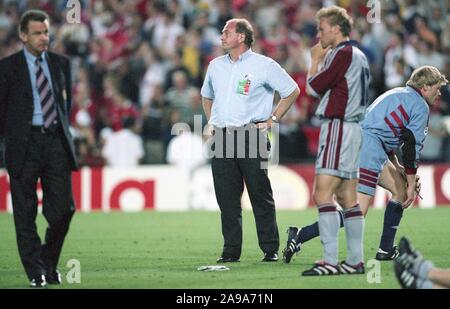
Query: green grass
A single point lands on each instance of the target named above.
(164, 249)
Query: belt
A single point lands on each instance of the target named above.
(231, 129)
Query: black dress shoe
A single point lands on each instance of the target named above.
(227, 259)
(38, 282)
(270, 257)
(53, 277)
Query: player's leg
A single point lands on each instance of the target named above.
(348, 165)
(324, 188)
(337, 170)
(387, 181)
(326, 182)
(440, 277)
(394, 181)
(328, 141)
(354, 227)
(347, 198)
(375, 166)
(323, 196)
(297, 236)
(373, 158)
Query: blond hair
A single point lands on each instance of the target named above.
(426, 75)
(336, 16)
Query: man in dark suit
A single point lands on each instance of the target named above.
(35, 98)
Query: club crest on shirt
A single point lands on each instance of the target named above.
(244, 85)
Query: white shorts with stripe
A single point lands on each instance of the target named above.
(339, 147)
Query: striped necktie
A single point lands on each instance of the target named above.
(46, 96)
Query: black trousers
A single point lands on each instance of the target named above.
(47, 159)
(230, 170)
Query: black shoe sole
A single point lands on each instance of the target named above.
(287, 256)
(287, 253)
(228, 261)
(386, 258)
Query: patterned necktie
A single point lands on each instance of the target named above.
(45, 95)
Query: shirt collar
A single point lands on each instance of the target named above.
(349, 42)
(30, 57)
(417, 90)
(242, 56)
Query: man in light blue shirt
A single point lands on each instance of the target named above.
(238, 93)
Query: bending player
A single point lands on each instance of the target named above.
(397, 118)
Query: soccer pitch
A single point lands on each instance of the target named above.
(164, 250)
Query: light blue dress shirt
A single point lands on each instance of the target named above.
(38, 119)
(242, 91)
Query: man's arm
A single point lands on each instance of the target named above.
(281, 108)
(410, 153)
(393, 158)
(411, 163)
(411, 192)
(317, 56)
(319, 82)
(408, 181)
(68, 85)
(2, 153)
(3, 99)
(207, 105)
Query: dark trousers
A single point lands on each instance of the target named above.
(47, 159)
(229, 174)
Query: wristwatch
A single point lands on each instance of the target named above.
(274, 118)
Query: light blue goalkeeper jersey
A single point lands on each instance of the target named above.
(393, 112)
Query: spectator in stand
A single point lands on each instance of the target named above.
(154, 115)
(176, 64)
(433, 146)
(165, 33)
(154, 74)
(186, 149)
(137, 40)
(179, 95)
(124, 148)
(116, 104)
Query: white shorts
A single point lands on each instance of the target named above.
(339, 147)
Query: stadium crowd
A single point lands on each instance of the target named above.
(141, 63)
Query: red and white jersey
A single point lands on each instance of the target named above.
(342, 83)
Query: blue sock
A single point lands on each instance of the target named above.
(392, 216)
(312, 231)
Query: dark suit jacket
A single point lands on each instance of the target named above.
(16, 106)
